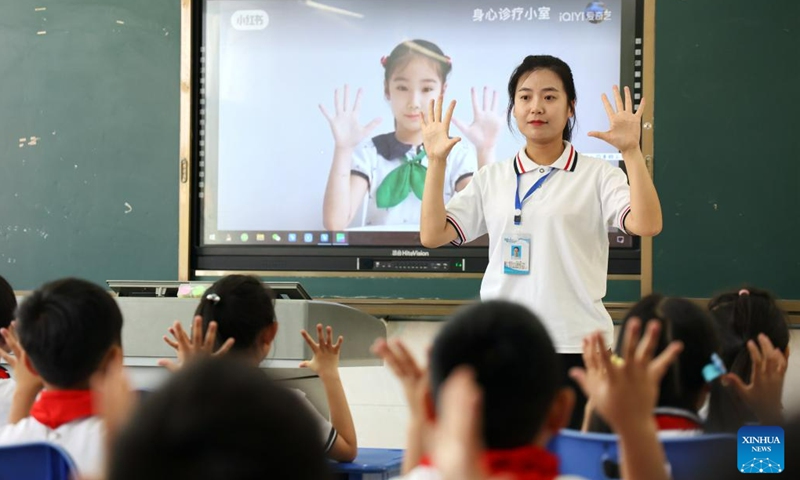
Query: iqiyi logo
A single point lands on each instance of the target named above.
(760, 450)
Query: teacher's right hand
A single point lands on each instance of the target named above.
(347, 131)
(436, 131)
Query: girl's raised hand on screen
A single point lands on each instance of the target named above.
(486, 122)
(348, 132)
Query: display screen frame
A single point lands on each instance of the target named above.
(354, 255)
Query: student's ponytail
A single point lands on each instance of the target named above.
(740, 316)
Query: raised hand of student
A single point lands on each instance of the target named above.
(326, 353)
(28, 382)
(764, 392)
(435, 130)
(457, 446)
(413, 377)
(347, 131)
(625, 125)
(114, 398)
(195, 346)
(25, 379)
(625, 392)
(486, 122)
(415, 386)
(325, 363)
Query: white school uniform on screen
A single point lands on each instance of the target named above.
(374, 159)
(82, 438)
(327, 432)
(567, 219)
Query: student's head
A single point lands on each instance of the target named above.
(741, 315)
(541, 89)
(415, 73)
(244, 308)
(8, 306)
(217, 419)
(70, 329)
(515, 251)
(515, 365)
(683, 386)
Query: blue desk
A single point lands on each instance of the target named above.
(370, 464)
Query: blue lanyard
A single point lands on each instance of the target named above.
(518, 203)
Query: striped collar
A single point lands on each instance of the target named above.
(567, 161)
(390, 148)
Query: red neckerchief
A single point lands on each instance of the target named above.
(54, 408)
(4, 374)
(677, 419)
(523, 463)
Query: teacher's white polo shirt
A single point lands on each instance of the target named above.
(568, 220)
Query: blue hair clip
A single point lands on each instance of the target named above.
(715, 369)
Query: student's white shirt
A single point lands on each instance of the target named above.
(374, 162)
(327, 432)
(568, 220)
(83, 439)
(7, 387)
(430, 473)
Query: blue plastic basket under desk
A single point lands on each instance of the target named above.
(370, 464)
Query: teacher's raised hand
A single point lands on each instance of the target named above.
(435, 131)
(625, 125)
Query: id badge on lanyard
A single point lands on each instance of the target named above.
(516, 243)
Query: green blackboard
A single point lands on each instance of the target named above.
(89, 110)
(727, 139)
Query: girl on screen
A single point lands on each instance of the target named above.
(553, 202)
(392, 167)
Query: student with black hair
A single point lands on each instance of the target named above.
(238, 313)
(752, 329)
(555, 204)
(218, 419)
(8, 308)
(523, 401)
(68, 331)
(689, 381)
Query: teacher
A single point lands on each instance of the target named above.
(547, 209)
